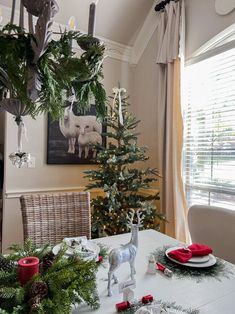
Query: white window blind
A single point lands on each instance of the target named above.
(209, 131)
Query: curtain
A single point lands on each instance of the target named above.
(170, 125)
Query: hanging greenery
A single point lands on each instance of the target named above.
(60, 72)
(60, 283)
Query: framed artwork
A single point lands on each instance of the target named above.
(70, 140)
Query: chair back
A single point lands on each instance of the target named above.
(52, 217)
(214, 226)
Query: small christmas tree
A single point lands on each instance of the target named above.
(117, 177)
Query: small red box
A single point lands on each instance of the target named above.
(122, 306)
(147, 298)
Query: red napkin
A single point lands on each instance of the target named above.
(183, 255)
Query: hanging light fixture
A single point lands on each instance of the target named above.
(37, 73)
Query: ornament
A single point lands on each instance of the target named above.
(127, 252)
(151, 265)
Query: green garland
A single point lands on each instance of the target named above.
(60, 283)
(220, 269)
(60, 71)
(165, 305)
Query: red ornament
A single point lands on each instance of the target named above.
(100, 260)
(27, 268)
(122, 306)
(147, 298)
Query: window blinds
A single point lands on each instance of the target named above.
(209, 131)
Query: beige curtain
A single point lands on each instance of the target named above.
(170, 126)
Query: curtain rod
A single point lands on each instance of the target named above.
(160, 6)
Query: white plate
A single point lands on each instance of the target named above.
(209, 262)
(87, 256)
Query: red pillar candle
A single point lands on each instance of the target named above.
(27, 268)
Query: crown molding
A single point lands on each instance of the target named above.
(144, 36)
(113, 50)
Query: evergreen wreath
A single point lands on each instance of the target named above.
(60, 283)
(60, 71)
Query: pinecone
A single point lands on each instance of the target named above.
(34, 304)
(6, 265)
(47, 261)
(38, 290)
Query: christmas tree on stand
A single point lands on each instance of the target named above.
(118, 178)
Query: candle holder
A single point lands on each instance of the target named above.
(27, 268)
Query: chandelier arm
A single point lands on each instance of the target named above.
(30, 21)
(21, 20)
(13, 11)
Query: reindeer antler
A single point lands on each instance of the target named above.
(140, 216)
(130, 216)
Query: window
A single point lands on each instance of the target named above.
(209, 131)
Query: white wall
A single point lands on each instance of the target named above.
(45, 177)
(203, 23)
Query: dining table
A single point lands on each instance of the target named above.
(208, 295)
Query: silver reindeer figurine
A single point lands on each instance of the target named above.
(127, 252)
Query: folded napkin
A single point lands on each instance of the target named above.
(183, 255)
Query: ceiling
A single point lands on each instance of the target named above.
(117, 20)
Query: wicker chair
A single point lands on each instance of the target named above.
(52, 217)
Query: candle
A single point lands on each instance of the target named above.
(91, 26)
(27, 268)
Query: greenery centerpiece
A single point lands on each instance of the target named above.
(117, 175)
(60, 283)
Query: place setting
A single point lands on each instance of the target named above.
(196, 261)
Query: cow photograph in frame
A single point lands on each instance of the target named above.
(71, 140)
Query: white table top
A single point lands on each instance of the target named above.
(210, 296)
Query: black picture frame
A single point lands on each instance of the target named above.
(58, 140)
